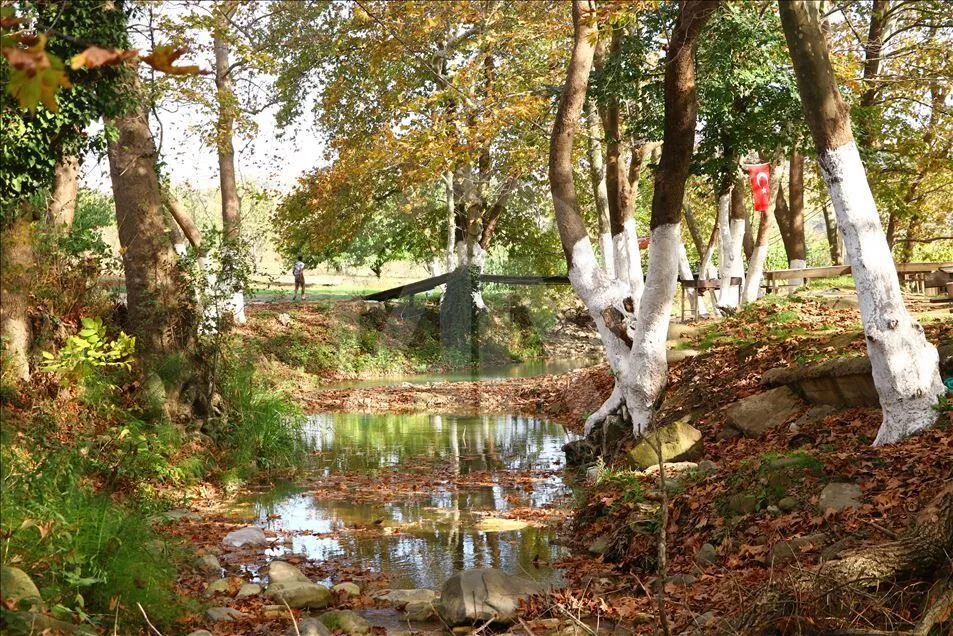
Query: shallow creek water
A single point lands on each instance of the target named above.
(420, 497)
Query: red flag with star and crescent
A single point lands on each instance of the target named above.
(760, 175)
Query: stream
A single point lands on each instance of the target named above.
(417, 498)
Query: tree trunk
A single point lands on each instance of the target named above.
(791, 218)
(597, 174)
(693, 229)
(65, 187)
(752, 287)
(231, 208)
(153, 287)
(833, 235)
(685, 274)
(16, 264)
(637, 356)
(872, 62)
(905, 366)
(451, 253)
(182, 219)
(731, 232)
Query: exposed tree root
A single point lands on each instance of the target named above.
(924, 551)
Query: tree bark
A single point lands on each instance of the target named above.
(153, 287)
(182, 219)
(905, 366)
(597, 174)
(872, 61)
(231, 207)
(16, 265)
(694, 230)
(65, 188)
(791, 218)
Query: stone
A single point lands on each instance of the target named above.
(16, 585)
(298, 594)
(248, 589)
(787, 504)
(742, 504)
(243, 537)
(842, 382)
(707, 467)
(284, 319)
(579, 452)
(677, 355)
(681, 580)
(217, 587)
(813, 416)
(309, 626)
(789, 550)
(345, 621)
(224, 614)
(347, 589)
(839, 496)
(284, 572)
(208, 564)
(274, 611)
(419, 611)
(671, 468)
(594, 473)
(200, 632)
(706, 555)
(679, 441)
(404, 597)
(757, 414)
(600, 545)
(482, 595)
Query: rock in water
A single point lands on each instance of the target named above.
(405, 597)
(839, 496)
(679, 441)
(250, 536)
(16, 585)
(347, 589)
(345, 621)
(757, 414)
(308, 627)
(289, 584)
(483, 594)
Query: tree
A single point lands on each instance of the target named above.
(790, 216)
(905, 366)
(636, 353)
(154, 288)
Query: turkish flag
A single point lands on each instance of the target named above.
(760, 176)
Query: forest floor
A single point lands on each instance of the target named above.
(747, 521)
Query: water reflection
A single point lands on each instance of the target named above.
(420, 540)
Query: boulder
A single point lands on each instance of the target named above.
(309, 626)
(842, 382)
(405, 597)
(300, 594)
(347, 589)
(579, 452)
(418, 611)
(679, 442)
(813, 416)
(16, 585)
(217, 587)
(248, 589)
(250, 536)
(787, 504)
(208, 564)
(345, 621)
(484, 594)
(284, 572)
(757, 414)
(839, 496)
(671, 468)
(224, 614)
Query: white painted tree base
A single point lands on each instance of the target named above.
(796, 263)
(905, 366)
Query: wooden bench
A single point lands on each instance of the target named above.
(916, 274)
(700, 287)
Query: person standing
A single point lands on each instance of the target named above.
(298, 272)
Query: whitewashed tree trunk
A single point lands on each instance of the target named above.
(633, 261)
(730, 235)
(752, 286)
(451, 221)
(905, 366)
(797, 263)
(597, 174)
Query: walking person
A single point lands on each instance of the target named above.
(298, 272)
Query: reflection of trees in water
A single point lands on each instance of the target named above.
(436, 537)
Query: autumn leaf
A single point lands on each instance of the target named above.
(163, 59)
(94, 57)
(36, 76)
